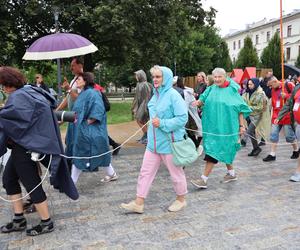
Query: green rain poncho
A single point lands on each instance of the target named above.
(221, 109)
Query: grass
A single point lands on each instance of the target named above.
(119, 112)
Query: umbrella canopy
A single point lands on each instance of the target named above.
(59, 45)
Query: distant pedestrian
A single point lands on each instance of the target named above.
(265, 84)
(139, 106)
(194, 124)
(39, 82)
(201, 84)
(279, 97)
(293, 106)
(257, 101)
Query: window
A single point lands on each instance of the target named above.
(239, 44)
(234, 45)
(289, 30)
(256, 39)
(268, 36)
(288, 54)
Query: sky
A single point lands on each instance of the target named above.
(235, 14)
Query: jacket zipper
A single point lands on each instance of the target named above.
(154, 134)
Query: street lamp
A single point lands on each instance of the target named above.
(98, 67)
(56, 12)
(175, 67)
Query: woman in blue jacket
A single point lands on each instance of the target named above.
(168, 114)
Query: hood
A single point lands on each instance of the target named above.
(189, 90)
(256, 85)
(141, 75)
(167, 79)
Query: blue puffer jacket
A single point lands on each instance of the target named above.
(166, 104)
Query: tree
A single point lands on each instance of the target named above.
(223, 59)
(8, 39)
(270, 57)
(247, 56)
(221, 56)
(194, 55)
(129, 34)
(297, 63)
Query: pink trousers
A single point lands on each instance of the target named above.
(150, 166)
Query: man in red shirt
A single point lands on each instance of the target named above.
(279, 97)
(293, 106)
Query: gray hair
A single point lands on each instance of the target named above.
(273, 79)
(219, 71)
(155, 68)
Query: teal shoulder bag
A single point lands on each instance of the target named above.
(184, 151)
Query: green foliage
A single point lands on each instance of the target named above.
(270, 57)
(297, 63)
(223, 59)
(247, 56)
(130, 35)
(193, 55)
(47, 69)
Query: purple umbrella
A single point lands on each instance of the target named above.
(59, 45)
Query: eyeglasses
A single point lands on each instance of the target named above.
(37, 77)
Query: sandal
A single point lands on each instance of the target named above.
(14, 226)
(108, 178)
(40, 229)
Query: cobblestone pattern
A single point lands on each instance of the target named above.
(259, 211)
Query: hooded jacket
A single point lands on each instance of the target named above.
(28, 120)
(142, 97)
(167, 105)
(256, 100)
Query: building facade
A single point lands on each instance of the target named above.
(261, 33)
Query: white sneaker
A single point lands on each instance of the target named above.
(295, 177)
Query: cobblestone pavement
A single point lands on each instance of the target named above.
(259, 211)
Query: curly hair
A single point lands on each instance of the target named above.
(88, 77)
(11, 77)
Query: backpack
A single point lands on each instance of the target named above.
(104, 97)
(287, 87)
(105, 102)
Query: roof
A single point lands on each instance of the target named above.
(255, 24)
(237, 74)
(249, 72)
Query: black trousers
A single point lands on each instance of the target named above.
(20, 167)
(112, 142)
(209, 158)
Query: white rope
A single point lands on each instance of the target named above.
(227, 135)
(1, 198)
(97, 156)
(219, 135)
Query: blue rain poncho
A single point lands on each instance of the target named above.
(88, 140)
